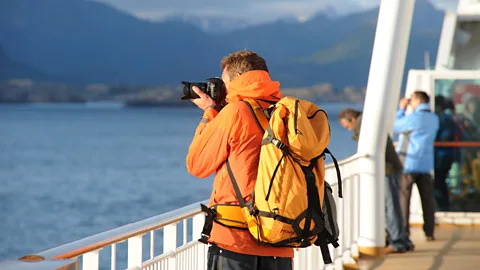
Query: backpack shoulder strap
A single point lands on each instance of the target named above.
(262, 122)
(259, 114)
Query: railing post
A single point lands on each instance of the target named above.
(198, 221)
(341, 238)
(135, 251)
(113, 257)
(170, 242)
(383, 90)
(348, 220)
(90, 260)
(356, 217)
(312, 258)
(299, 259)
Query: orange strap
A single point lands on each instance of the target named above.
(457, 144)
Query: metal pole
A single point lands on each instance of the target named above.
(383, 90)
(445, 45)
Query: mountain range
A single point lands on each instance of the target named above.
(11, 69)
(81, 42)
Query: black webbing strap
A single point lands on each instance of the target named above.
(276, 217)
(240, 199)
(322, 243)
(313, 200)
(337, 168)
(235, 185)
(207, 226)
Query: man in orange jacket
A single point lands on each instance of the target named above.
(233, 133)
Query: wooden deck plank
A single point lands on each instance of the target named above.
(454, 248)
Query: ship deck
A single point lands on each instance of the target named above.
(455, 247)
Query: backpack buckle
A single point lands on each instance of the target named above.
(249, 205)
(279, 144)
(204, 238)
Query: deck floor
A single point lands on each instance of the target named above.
(454, 248)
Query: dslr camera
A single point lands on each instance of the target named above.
(214, 87)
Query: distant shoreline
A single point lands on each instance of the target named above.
(113, 103)
(28, 91)
(126, 104)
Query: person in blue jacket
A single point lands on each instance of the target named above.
(419, 130)
(444, 156)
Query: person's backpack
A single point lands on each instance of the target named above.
(290, 190)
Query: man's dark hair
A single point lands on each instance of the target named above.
(422, 96)
(450, 105)
(349, 114)
(440, 103)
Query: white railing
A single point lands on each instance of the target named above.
(182, 227)
(189, 254)
(348, 217)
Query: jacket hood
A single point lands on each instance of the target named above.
(255, 84)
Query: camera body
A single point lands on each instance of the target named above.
(213, 87)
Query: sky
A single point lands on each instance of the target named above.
(251, 10)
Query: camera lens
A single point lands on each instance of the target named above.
(213, 87)
(188, 92)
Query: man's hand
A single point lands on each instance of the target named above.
(204, 101)
(403, 103)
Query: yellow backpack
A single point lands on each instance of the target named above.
(290, 190)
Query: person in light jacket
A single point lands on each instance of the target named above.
(421, 126)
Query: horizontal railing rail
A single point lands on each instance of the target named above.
(342, 162)
(120, 234)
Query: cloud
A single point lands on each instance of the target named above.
(252, 10)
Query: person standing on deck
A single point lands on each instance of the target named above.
(422, 126)
(352, 120)
(444, 156)
(233, 134)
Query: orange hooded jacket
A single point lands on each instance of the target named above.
(234, 134)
